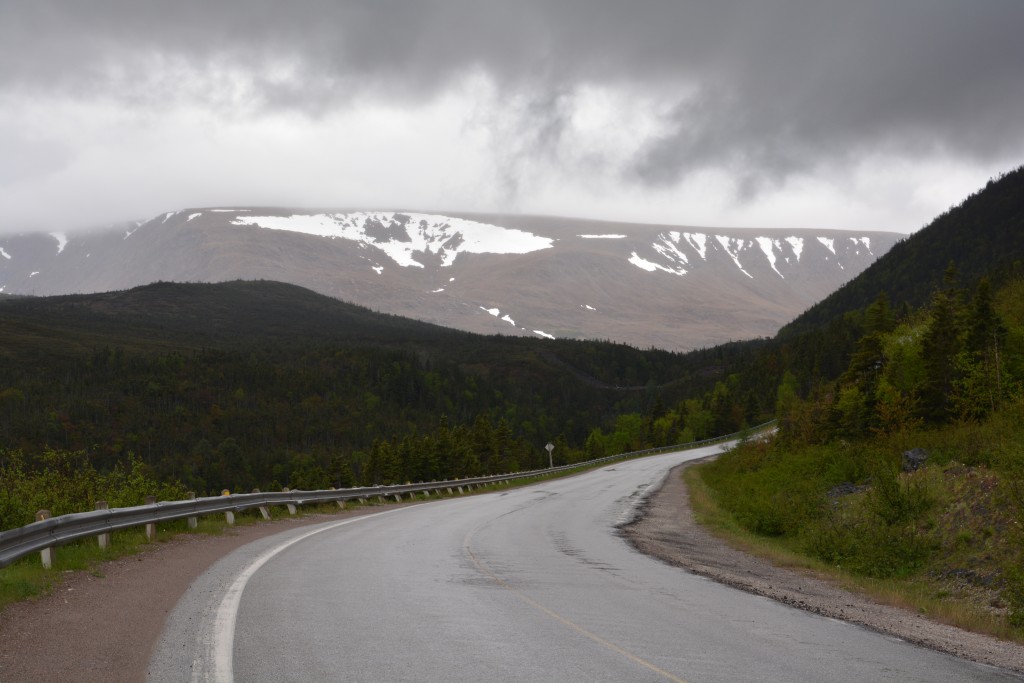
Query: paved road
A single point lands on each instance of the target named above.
(531, 584)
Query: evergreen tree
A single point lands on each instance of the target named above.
(940, 346)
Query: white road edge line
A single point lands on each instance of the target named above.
(227, 612)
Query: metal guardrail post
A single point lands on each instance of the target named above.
(46, 554)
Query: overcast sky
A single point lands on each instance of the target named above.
(860, 114)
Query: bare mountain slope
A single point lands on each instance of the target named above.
(646, 285)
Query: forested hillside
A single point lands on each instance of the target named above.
(911, 463)
(260, 384)
(900, 450)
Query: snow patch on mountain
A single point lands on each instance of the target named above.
(678, 252)
(62, 240)
(668, 246)
(798, 246)
(406, 236)
(602, 237)
(733, 246)
(193, 215)
(699, 242)
(5, 254)
(644, 264)
(542, 333)
(496, 312)
(866, 241)
(768, 247)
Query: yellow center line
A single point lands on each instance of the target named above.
(559, 618)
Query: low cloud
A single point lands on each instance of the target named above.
(763, 95)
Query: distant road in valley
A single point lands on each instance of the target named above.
(532, 584)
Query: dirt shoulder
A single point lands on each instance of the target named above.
(666, 529)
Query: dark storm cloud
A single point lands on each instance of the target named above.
(762, 88)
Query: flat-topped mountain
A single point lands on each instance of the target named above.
(647, 285)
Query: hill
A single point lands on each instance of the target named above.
(197, 316)
(244, 384)
(983, 235)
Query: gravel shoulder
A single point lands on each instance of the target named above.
(98, 629)
(104, 628)
(666, 529)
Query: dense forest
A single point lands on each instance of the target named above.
(260, 384)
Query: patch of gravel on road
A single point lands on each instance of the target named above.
(103, 627)
(666, 530)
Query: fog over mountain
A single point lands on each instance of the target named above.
(647, 285)
(801, 113)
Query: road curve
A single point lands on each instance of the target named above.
(532, 584)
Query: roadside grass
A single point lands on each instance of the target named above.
(922, 591)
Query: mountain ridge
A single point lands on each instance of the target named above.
(669, 287)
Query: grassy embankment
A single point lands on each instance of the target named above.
(946, 540)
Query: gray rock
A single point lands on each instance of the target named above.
(914, 459)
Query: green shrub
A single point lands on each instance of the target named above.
(66, 481)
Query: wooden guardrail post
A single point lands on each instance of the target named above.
(340, 502)
(46, 554)
(104, 539)
(150, 526)
(192, 521)
(291, 506)
(229, 515)
(264, 509)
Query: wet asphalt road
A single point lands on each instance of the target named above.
(532, 584)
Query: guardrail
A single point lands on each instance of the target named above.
(48, 532)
